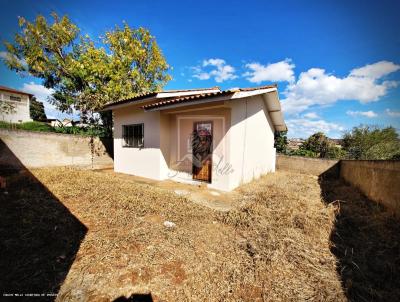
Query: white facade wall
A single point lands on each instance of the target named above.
(251, 141)
(148, 161)
(21, 108)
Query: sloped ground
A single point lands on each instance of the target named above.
(275, 245)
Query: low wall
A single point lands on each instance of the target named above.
(312, 166)
(379, 180)
(40, 149)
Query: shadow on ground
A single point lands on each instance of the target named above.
(39, 237)
(366, 242)
(136, 298)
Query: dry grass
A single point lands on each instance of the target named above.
(275, 246)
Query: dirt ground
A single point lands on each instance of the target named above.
(93, 236)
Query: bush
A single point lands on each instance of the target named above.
(97, 131)
(35, 126)
(372, 142)
(303, 152)
(30, 126)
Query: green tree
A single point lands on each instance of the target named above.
(318, 143)
(372, 142)
(6, 108)
(281, 141)
(37, 110)
(87, 74)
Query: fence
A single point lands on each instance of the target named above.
(379, 180)
(40, 149)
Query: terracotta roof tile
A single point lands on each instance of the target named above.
(144, 95)
(12, 90)
(190, 98)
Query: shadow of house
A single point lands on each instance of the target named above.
(39, 237)
(136, 298)
(365, 240)
(108, 145)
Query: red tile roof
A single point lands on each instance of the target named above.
(12, 90)
(145, 95)
(195, 97)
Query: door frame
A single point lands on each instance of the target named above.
(211, 150)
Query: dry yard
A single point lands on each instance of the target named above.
(93, 236)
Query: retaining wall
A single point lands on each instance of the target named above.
(40, 149)
(306, 165)
(379, 180)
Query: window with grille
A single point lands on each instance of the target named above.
(15, 98)
(133, 135)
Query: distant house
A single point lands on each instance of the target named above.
(221, 138)
(21, 103)
(295, 143)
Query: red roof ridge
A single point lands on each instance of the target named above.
(9, 89)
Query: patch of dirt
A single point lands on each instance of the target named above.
(274, 245)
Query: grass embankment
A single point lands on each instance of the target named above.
(44, 127)
(103, 236)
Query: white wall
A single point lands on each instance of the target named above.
(251, 141)
(148, 161)
(21, 114)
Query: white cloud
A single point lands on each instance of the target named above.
(376, 70)
(43, 94)
(311, 115)
(316, 87)
(5, 55)
(302, 127)
(392, 113)
(220, 71)
(369, 114)
(275, 72)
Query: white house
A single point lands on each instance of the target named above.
(222, 138)
(21, 103)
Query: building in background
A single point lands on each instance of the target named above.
(20, 101)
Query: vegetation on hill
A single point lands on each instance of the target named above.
(371, 142)
(362, 142)
(90, 130)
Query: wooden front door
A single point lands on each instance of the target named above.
(202, 150)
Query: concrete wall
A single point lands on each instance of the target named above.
(21, 108)
(312, 166)
(379, 180)
(38, 149)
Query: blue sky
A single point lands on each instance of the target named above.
(336, 63)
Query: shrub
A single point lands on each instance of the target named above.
(31, 126)
(35, 126)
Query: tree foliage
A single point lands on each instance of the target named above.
(87, 74)
(37, 110)
(281, 141)
(371, 142)
(6, 108)
(319, 145)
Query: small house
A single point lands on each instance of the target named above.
(221, 138)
